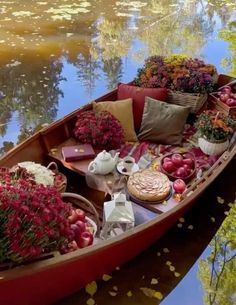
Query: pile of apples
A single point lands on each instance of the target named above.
(82, 230)
(227, 96)
(178, 165)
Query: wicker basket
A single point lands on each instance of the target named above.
(193, 100)
(86, 205)
(60, 180)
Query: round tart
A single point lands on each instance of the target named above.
(149, 185)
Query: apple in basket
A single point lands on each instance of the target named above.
(177, 165)
(77, 214)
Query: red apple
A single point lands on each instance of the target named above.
(168, 166)
(179, 186)
(166, 159)
(181, 172)
(224, 97)
(226, 89)
(80, 214)
(188, 169)
(177, 159)
(188, 161)
(86, 239)
(231, 102)
(73, 217)
(77, 214)
(81, 225)
(72, 246)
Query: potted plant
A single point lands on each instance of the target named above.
(215, 129)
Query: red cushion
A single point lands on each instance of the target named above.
(138, 95)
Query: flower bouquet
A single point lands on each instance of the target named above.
(102, 130)
(187, 79)
(33, 218)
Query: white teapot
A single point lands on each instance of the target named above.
(103, 164)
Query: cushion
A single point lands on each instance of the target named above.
(123, 111)
(138, 95)
(163, 122)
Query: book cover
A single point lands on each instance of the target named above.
(77, 152)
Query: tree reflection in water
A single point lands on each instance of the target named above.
(216, 271)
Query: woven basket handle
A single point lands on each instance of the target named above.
(53, 167)
(88, 204)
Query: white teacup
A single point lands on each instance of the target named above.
(128, 163)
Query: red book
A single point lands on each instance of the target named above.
(77, 152)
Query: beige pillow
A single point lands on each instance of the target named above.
(123, 111)
(162, 122)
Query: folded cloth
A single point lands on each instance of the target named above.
(135, 150)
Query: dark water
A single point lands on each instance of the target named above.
(57, 55)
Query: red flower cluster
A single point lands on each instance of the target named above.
(33, 218)
(102, 130)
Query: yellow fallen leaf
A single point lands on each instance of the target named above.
(129, 294)
(179, 225)
(91, 288)
(177, 274)
(181, 219)
(168, 263)
(220, 200)
(90, 301)
(154, 281)
(113, 293)
(158, 295)
(151, 293)
(158, 253)
(172, 268)
(166, 250)
(213, 219)
(190, 227)
(115, 288)
(106, 277)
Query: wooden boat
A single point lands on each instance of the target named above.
(51, 278)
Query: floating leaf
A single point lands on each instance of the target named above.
(168, 263)
(177, 274)
(115, 288)
(158, 253)
(181, 219)
(106, 277)
(91, 288)
(113, 293)
(129, 294)
(179, 225)
(172, 268)
(90, 301)
(151, 293)
(154, 281)
(213, 219)
(220, 200)
(190, 227)
(166, 250)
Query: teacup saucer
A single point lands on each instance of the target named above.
(122, 171)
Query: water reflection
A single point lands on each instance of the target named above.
(216, 270)
(102, 41)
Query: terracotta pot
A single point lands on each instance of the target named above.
(213, 148)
